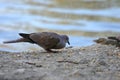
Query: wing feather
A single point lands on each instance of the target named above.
(45, 39)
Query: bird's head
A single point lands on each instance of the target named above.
(66, 38)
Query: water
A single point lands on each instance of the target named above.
(82, 20)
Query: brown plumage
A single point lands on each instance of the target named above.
(117, 38)
(47, 40)
(110, 40)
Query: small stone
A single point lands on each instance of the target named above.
(60, 59)
(19, 71)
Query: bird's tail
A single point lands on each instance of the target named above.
(17, 40)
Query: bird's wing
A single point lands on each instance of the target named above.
(26, 37)
(45, 39)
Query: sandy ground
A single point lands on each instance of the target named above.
(95, 62)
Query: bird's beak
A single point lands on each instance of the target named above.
(68, 42)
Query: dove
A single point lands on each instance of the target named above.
(46, 40)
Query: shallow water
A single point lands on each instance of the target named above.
(82, 20)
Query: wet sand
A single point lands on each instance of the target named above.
(95, 62)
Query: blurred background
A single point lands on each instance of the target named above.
(82, 20)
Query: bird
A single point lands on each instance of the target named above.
(117, 38)
(46, 40)
(110, 40)
(105, 41)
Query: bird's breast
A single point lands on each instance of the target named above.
(60, 45)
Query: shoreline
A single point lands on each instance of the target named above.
(95, 62)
